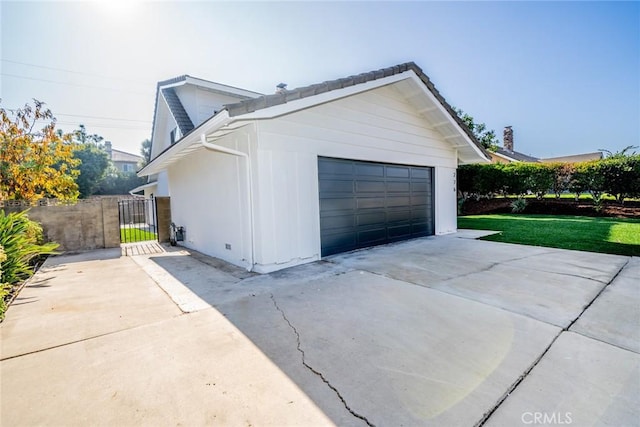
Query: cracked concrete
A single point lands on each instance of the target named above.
(319, 374)
(434, 331)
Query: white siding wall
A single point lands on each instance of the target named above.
(446, 200)
(200, 104)
(377, 126)
(209, 198)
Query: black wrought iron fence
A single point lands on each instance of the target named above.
(138, 220)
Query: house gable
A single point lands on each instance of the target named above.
(410, 78)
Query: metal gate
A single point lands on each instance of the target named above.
(138, 220)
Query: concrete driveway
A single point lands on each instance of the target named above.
(435, 331)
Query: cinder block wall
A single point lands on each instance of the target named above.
(88, 224)
(163, 211)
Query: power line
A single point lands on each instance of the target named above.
(71, 71)
(92, 125)
(76, 84)
(103, 118)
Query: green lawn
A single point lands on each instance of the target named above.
(606, 235)
(130, 235)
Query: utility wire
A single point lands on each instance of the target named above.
(103, 118)
(78, 85)
(92, 125)
(71, 71)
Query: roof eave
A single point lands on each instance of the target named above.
(187, 144)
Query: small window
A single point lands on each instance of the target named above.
(175, 135)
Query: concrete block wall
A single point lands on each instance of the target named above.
(88, 224)
(163, 211)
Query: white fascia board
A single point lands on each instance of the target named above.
(218, 87)
(448, 117)
(321, 98)
(143, 186)
(192, 139)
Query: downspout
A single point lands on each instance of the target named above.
(221, 149)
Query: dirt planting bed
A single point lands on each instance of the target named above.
(630, 209)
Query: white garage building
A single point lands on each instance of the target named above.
(271, 181)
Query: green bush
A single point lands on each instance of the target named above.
(518, 205)
(22, 242)
(4, 287)
(621, 176)
(618, 176)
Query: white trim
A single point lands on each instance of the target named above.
(219, 87)
(448, 116)
(142, 187)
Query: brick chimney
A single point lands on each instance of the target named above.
(107, 148)
(507, 141)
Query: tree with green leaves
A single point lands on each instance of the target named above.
(94, 161)
(93, 168)
(145, 152)
(487, 138)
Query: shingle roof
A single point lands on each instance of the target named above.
(122, 156)
(177, 111)
(516, 155)
(265, 101)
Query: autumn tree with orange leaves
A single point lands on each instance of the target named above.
(35, 163)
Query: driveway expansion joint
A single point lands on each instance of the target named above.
(313, 370)
(598, 294)
(526, 373)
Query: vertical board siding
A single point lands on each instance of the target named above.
(375, 126)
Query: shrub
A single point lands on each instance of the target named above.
(588, 177)
(4, 287)
(22, 242)
(561, 177)
(518, 205)
(621, 176)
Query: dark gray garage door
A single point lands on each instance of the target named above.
(364, 204)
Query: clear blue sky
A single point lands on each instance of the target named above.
(565, 75)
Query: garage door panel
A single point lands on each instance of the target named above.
(370, 202)
(365, 203)
(379, 217)
(399, 231)
(335, 168)
(398, 187)
(369, 237)
(370, 186)
(337, 203)
(398, 201)
(419, 199)
(420, 173)
(369, 170)
(397, 172)
(398, 215)
(339, 221)
(336, 186)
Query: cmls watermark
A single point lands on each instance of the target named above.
(546, 418)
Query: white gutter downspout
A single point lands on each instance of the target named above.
(219, 148)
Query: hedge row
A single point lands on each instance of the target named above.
(617, 176)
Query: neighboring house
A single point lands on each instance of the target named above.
(123, 161)
(271, 181)
(575, 158)
(507, 154)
